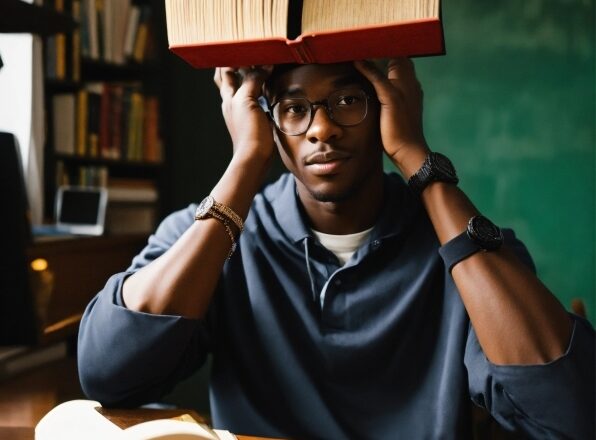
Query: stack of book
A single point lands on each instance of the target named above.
(132, 206)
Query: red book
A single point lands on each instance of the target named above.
(321, 29)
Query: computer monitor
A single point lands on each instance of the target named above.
(81, 210)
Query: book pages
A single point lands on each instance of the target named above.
(321, 15)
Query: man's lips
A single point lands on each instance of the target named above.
(322, 157)
(324, 163)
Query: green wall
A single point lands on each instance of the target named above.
(512, 103)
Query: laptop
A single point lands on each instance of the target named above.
(79, 211)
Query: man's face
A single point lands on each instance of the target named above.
(330, 162)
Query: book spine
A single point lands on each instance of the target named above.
(60, 47)
(94, 92)
(104, 122)
(84, 29)
(116, 122)
(131, 31)
(76, 42)
(82, 123)
(301, 52)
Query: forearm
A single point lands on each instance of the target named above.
(183, 279)
(148, 354)
(516, 318)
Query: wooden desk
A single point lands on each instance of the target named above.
(23, 433)
(80, 267)
(25, 399)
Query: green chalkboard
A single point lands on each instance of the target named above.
(512, 103)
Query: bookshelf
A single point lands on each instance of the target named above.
(80, 266)
(102, 100)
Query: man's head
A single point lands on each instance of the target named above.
(340, 151)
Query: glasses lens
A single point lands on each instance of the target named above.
(292, 115)
(348, 107)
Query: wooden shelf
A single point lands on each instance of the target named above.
(17, 16)
(118, 168)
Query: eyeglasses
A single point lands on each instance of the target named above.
(294, 116)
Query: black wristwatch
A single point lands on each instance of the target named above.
(484, 233)
(436, 168)
(480, 235)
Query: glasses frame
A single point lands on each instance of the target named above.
(313, 106)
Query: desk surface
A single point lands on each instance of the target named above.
(25, 433)
(25, 398)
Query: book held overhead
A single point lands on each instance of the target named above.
(240, 33)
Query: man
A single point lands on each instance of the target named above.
(355, 305)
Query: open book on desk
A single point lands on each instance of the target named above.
(87, 419)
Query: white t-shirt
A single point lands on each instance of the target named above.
(343, 246)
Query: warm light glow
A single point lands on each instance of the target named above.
(39, 264)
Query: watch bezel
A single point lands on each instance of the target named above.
(204, 207)
(436, 167)
(484, 233)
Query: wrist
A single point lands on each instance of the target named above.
(241, 181)
(409, 159)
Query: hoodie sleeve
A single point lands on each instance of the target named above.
(547, 401)
(127, 358)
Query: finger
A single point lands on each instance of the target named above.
(253, 80)
(379, 81)
(229, 82)
(401, 68)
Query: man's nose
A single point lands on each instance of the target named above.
(323, 127)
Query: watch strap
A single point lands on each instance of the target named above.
(226, 225)
(228, 213)
(458, 249)
(435, 168)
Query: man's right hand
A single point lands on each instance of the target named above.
(249, 127)
(182, 280)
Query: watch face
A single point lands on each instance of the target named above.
(204, 207)
(443, 167)
(485, 233)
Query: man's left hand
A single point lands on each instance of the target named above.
(400, 96)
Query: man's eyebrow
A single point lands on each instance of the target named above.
(290, 92)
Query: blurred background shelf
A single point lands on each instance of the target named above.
(17, 16)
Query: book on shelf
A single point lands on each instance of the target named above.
(76, 42)
(131, 218)
(77, 419)
(240, 33)
(94, 98)
(132, 24)
(132, 190)
(62, 60)
(64, 128)
(114, 121)
(81, 123)
(115, 31)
